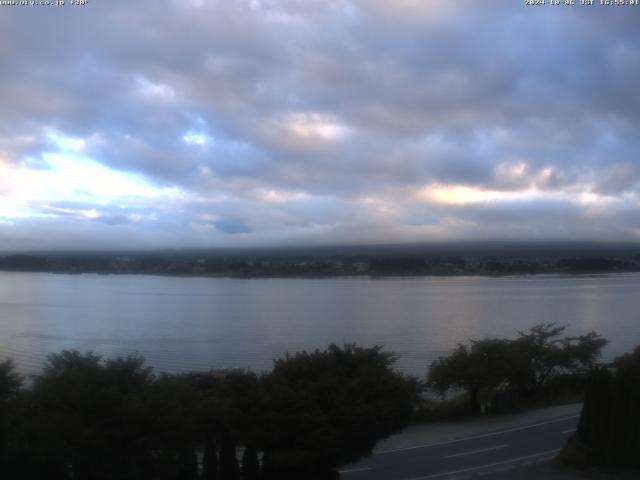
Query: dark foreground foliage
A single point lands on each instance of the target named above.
(87, 418)
(609, 428)
(533, 365)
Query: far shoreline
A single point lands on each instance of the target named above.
(486, 260)
(335, 276)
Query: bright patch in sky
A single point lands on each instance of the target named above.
(195, 138)
(304, 131)
(463, 195)
(69, 178)
(314, 126)
(67, 144)
(155, 91)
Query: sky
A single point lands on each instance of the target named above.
(193, 123)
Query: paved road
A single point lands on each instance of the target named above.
(493, 454)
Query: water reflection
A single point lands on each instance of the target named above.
(200, 323)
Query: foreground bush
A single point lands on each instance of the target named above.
(88, 418)
(330, 408)
(609, 428)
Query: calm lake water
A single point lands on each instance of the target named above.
(201, 323)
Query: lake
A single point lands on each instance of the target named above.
(181, 324)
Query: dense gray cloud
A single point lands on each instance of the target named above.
(201, 123)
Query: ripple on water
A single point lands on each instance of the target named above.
(181, 324)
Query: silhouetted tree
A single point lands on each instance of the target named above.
(625, 416)
(595, 420)
(210, 459)
(268, 471)
(609, 427)
(485, 363)
(11, 421)
(10, 382)
(540, 354)
(86, 418)
(327, 408)
(187, 463)
(96, 411)
(167, 465)
(250, 464)
(529, 362)
(229, 468)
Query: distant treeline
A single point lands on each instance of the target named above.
(287, 266)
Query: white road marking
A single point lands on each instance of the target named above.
(472, 452)
(489, 465)
(545, 459)
(356, 470)
(566, 432)
(493, 471)
(474, 437)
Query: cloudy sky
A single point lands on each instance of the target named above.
(167, 123)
